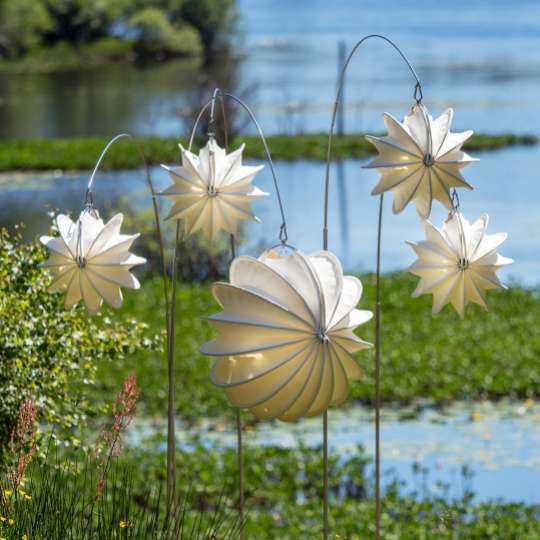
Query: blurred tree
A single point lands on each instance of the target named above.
(156, 37)
(22, 25)
(213, 19)
(157, 28)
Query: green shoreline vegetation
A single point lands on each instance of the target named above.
(81, 153)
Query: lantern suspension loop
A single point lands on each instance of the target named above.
(88, 200)
(418, 96)
(463, 262)
(283, 236)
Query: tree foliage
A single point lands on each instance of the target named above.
(48, 352)
(159, 28)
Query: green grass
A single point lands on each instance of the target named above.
(78, 154)
(488, 355)
(283, 500)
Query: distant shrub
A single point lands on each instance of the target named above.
(47, 352)
(157, 37)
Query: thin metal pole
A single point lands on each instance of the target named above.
(326, 527)
(169, 312)
(171, 439)
(378, 375)
(239, 446)
(240, 460)
(418, 97)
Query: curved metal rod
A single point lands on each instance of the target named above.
(171, 468)
(417, 96)
(88, 196)
(283, 236)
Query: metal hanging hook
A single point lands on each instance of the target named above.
(418, 96)
(283, 236)
(88, 198)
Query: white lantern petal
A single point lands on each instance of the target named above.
(453, 142)
(252, 306)
(115, 253)
(350, 296)
(328, 272)
(341, 384)
(56, 261)
(107, 236)
(241, 181)
(348, 362)
(449, 176)
(349, 340)
(234, 370)
(107, 289)
(283, 399)
(400, 133)
(119, 275)
(252, 274)
(62, 279)
(258, 391)
(405, 192)
(323, 397)
(475, 293)
(183, 209)
(353, 319)
(391, 155)
(394, 177)
(296, 270)
(73, 291)
(89, 293)
(416, 121)
(442, 290)
(440, 131)
(424, 195)
(457, 295)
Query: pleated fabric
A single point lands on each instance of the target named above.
(458, 263)
(418, 167)
(90, 260)
(212, 191)
(286, 334)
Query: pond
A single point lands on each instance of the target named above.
(504, 189)
(480, 58)
(489, 449)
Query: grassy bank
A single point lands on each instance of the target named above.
(488, 355)
(283, 500)
(78, 154)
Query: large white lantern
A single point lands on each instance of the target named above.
(286, 334)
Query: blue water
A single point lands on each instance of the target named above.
(497, 443)
(352, 210)
(479, 57)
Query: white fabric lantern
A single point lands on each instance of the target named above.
(420, 160)
(90, 260)
(458, 263)
(213, 190)
(286, 334)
